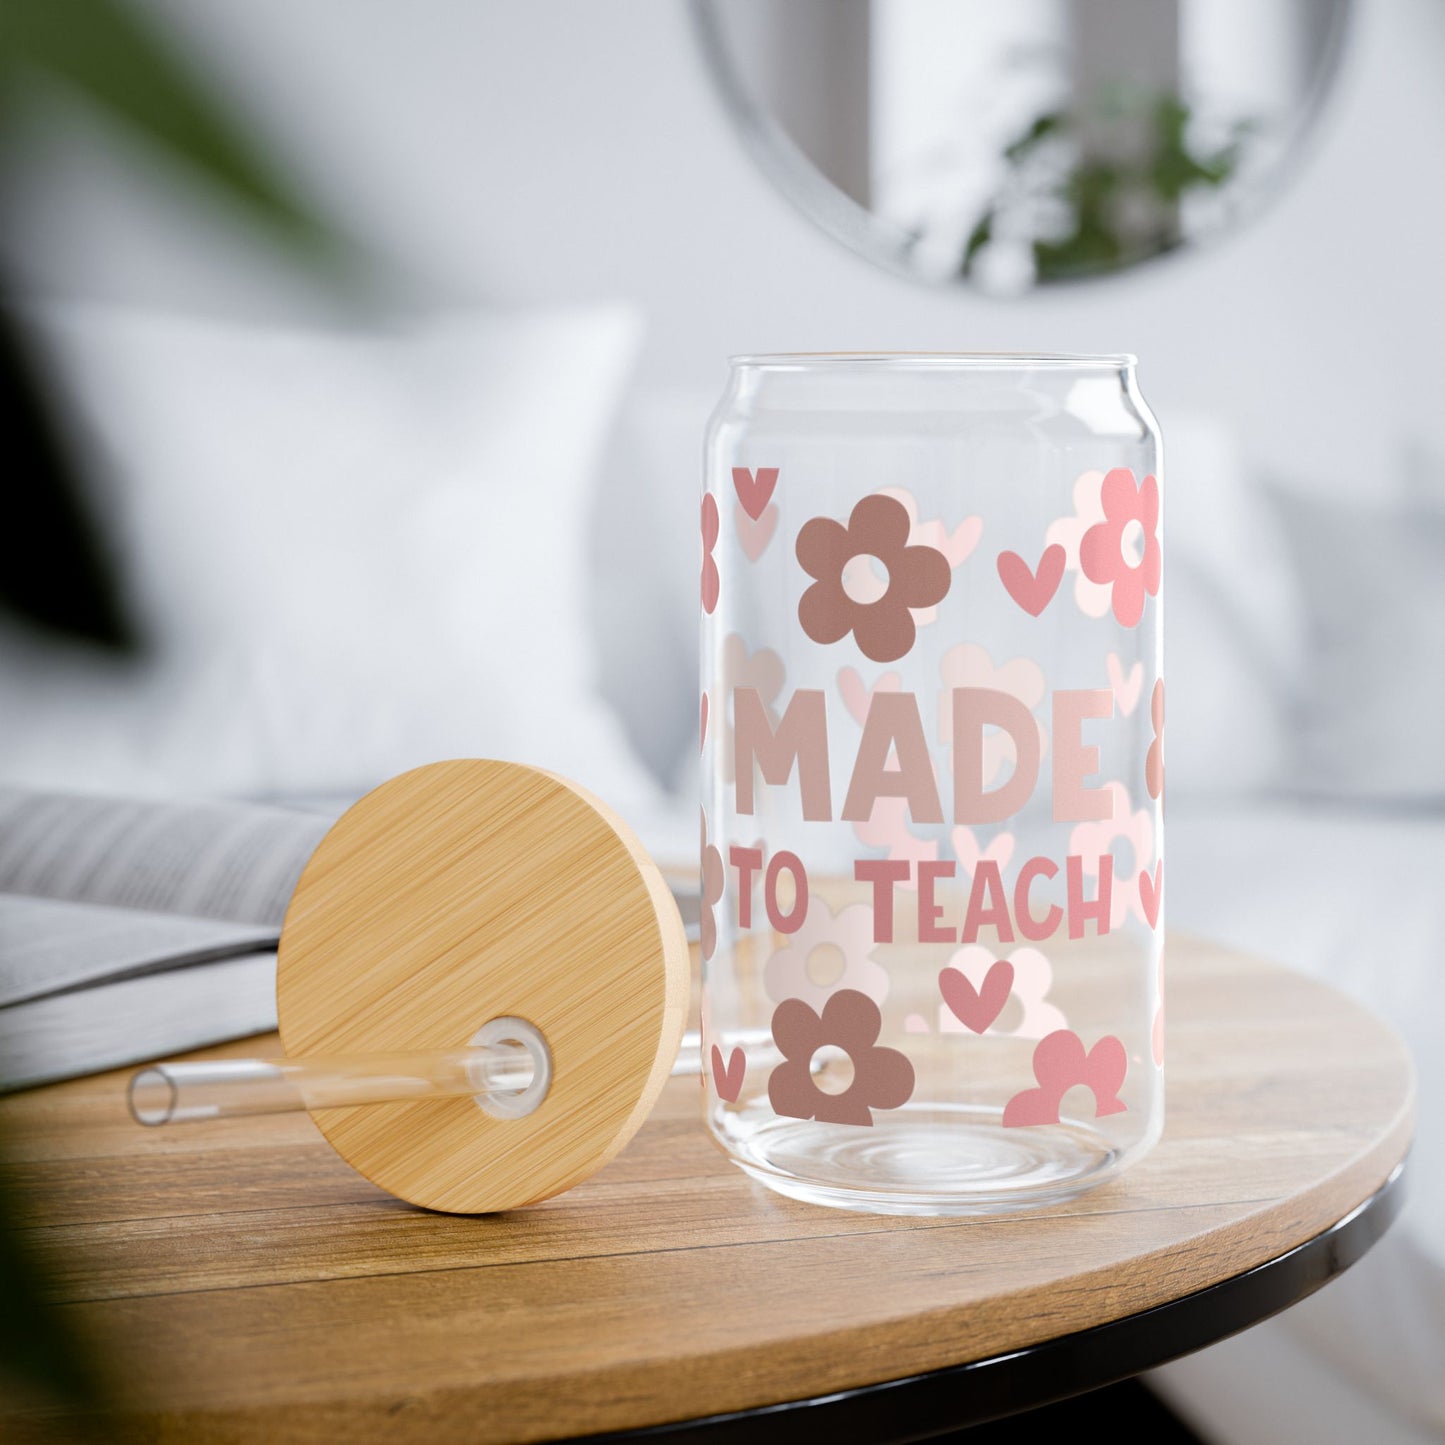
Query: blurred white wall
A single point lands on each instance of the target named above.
(566, 149)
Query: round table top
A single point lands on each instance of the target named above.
(248, 1286)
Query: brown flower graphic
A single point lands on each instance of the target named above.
(883, 627)
(1154, 759)
(712, 892)
(882, 1078)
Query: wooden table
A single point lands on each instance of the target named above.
(246, 1285)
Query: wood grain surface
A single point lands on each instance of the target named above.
(463, 891)
(247, 1286)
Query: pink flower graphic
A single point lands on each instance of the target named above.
(1067, 532)
(882, 1078)
(712, 891)
(1093, 840)
(1154, 760)
(1061, 1062)
(830, 951)
(969, 665)
(1122, 551)
(711, 526)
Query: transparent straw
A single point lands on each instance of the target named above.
(216, 1088)
(507, 1069)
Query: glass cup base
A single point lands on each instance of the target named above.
(937, 1159)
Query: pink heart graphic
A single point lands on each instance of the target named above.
(1033, 980)
(955, 545)
(856, 693)
(729, 1080)
(977, 1008)
(755, 533)
(702, 726)
(1151, 891)
(755, 492)
(1059, 1063)
(968, 853)
(1033, 591)
(887, 827)
(1126, 689)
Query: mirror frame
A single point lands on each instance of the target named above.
(794, 175)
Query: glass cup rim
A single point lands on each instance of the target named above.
(936, 360)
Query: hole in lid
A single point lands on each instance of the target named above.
(510, 1073)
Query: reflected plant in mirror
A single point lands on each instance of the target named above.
(1071, 207)
(1013, 146)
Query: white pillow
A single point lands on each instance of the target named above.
(352, 552)
(1367, 721)
(646, 621)
(1234, 630)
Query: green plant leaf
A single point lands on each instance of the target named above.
(1044, 126)
(978, 238)
(54, 569)
(120, 63)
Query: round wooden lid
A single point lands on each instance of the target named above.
(458, 893)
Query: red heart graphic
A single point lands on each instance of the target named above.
(755, 492)
(1151, 891)
(755, 535)
(729, 1080)
(702, 726)
(977, 1008)
(1033, 591)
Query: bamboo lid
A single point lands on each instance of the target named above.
(467, 891)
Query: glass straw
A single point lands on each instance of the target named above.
(218, 1088)
(176, 1093)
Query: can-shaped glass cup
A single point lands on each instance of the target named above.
(933, 777)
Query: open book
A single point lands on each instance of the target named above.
(130, 929)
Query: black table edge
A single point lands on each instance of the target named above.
(958, 1396)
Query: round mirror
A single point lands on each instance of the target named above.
(1008, 146)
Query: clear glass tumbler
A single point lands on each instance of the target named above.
(933, 777)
